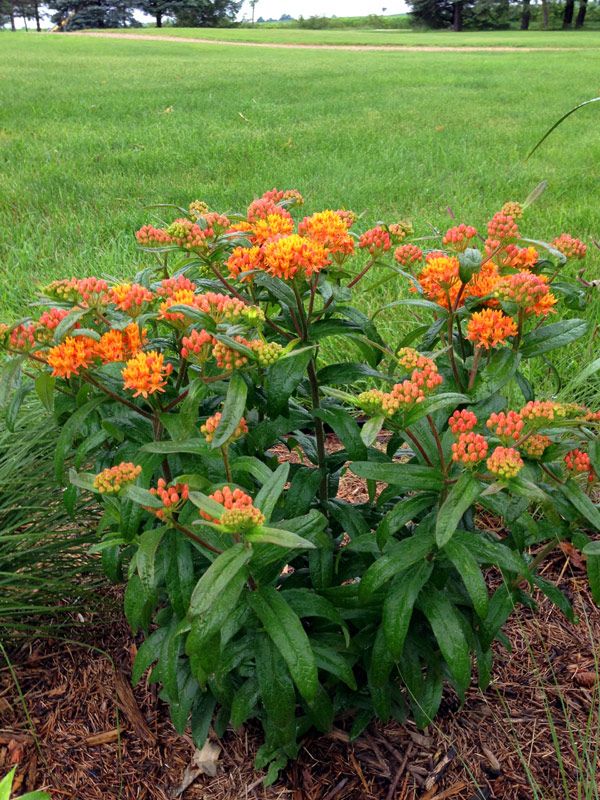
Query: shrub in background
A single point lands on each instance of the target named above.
(262, 592)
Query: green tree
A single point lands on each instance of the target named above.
(205, 13)
(78, 14)
(155, 8)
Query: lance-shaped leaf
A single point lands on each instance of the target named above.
(461, 497)
(233, 410)
(409, 476)
(271, 490)
(224, 569)
(404, 555)
(399, 603)
(447, 629)
(279, 537)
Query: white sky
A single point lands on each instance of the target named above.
(321, 8)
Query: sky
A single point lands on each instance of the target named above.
(321, 8)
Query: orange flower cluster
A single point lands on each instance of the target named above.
(349, 217)
(197, 208)
(530, 292)
(490, 328)
(503, 228)
(270, 227)
(222, 308)
(408, 254)
(189, 235)
(511, 255)
(425, 372)
(440, 280)
(169, 286)
(240, 514)
(408, 392)
(22, 337)
(458, 238)
(513, 209)
(376, 240)
(180, 297)
(569, 246)
(227, 358)
(538, 412)
(376, 403)
(289, 255)
(244, 259)
(122, 345)
(469, 449)
(535, 446)
(51, 319)
(149, 236)
(212, 423)
(71, 356)
(130, 297)
(266, 353)
(400, 230)
(330, 230)
(505, 462)
(506, 425)
(577, 461)
(146, 373)
(197, 346)
(112, 480)
(173, 496)
(87, 291)
(462, 421)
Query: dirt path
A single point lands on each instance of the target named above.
(359, 47)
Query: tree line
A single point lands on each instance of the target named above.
(441, 14)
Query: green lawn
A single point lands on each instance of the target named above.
(403, 38)
(92, 131)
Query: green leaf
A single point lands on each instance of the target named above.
(470, 263)
(148, 653)
(554, 594)
(549, 337)
(447, 629)
(84, 480)
(146, 555)
(399, 602)
(581, 377)
(592, 549)
(346, 373)
(493, 553)
(143, 497)
(302, 491)
(138, 604)
(406, 553)
(306, 603)
(193, 446)
(233, 410)
(582, 502)
(6, 784)
(403, 512)
(202, 714)
(270, 492)
(227, 567)
(69, 430)
(206, 504)
(277, 694)
(409, 476)
(244, 702)
(346, 429)
(461, 497)
(283, 377)
(370, 430)
(498, 373)
(409, 301)
(593, 572)
(10, 377)
(279, 537)
(44, 387)
(468, 569)
(288, 635)
(180, 577)
(333, 662)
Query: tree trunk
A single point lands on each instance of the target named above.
(36, 13)
(581, 14)
(457, 17)
(568, 15)
(526, 15)
(159, 19)
(11, 7)
(545, 14)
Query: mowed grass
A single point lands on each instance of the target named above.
(94, 130)
(400, 38)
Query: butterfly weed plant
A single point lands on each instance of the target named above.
(261, 591)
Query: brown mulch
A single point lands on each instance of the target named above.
(91, 736)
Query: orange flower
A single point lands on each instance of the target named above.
(244, 259)
(149, 236)
(462, 421)
(327, 228)
(51, 319)
(503, 228)
(506, 425)
(117, 345)
(530, 292)
(289, 255)
(470, 449)
(458, 238)
(130, 297)
(505, 462)
(539, 412)
(534, 446)
(440, 280)
(228, 358)
(408, 254)
(197, 346)
(577, 462)
(400, 230)
(376, 241)
(513, 209)
(490, 328)
(172, 495)
(169, 286)
(189, 235)
(483, 282)
(71, 356)
(569, 246)
(511, 255)
(22, 337)
(239, 514)
(271, 226)
(212, 423)
(376, 403)
(184, 297)
(424, 370)
(112, 480)
(146, 373)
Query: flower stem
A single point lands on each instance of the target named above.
(473, 373)
(418, 445)
(319, 430)
(225, 454)
(438, 443)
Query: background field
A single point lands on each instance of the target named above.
(399, 38)
(94, 130)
